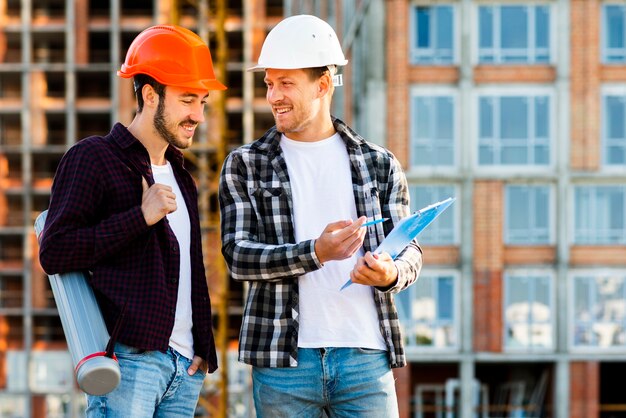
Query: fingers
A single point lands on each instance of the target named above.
(156, 202)
(197, 363)
(340, 240)
(374, 270)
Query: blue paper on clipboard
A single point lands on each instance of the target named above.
(408, 229)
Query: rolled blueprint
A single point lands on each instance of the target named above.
(84, 328)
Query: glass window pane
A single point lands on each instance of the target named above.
(527, 210)
(445, 296)
(445, 121)
(615, 16)
(444, 27)
(486, 117)
(421, 155)
(519, 290)
(485, 155)
(424, 299)
(423, 117)
(432, 130)
(403, 305)
(444, 156)
(615, 155)
(514, 155)
(541, 117)
(542, 294)
(528, 311)
(423, 27)
(599, 215)
(542, 155)
(485, 27)
(542, 204)
(542, 23)
(513, 118)
(516, 208)
(582, 292)
(616, 219)
(615, 112)
(514, 27)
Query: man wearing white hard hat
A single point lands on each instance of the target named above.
(294, 204)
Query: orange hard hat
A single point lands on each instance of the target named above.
(173, 56)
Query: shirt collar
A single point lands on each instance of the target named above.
(270, 141)
(126, 141)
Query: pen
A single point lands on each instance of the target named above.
(374, 222)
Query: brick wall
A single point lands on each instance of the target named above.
(488, 265)
(514, 74)
(585, 83)
(584, 389)
(396, 24)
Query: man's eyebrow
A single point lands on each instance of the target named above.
(194, 95)
(279, 78)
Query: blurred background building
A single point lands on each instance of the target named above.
(516, 108)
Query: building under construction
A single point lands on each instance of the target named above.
(515, 107)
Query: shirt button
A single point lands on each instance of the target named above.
(174, 280)
(174, 248)
(173, 311)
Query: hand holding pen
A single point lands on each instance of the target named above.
(340, 240)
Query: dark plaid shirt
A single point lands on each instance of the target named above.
(95, 223)
(259, 244)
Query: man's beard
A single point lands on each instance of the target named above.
(160, 125)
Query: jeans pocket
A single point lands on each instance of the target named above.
(126, 351)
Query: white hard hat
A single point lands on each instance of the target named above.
(301, 41)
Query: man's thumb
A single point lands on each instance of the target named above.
(144, 184)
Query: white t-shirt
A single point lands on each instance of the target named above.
(181, 339)
(321, 184)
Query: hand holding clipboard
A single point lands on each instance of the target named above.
(408, 229)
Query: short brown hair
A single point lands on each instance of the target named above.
(316, 72)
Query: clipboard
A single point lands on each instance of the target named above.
(408, 229)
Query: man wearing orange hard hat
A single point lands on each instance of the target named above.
(124, 208)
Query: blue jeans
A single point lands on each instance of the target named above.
(340, 382)
(154, 384)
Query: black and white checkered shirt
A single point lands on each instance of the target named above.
(259, 246)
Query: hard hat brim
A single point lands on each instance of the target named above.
(260, 67)
(209, 84)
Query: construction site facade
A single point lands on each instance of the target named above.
(516, 108)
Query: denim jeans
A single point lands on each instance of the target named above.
(337, 382)
(154, 384)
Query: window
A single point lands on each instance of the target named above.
(528, 215)
(599, 309)
(432, 38)
(433, 129)
(614, 128)
(528, 311)
(428, 311)
(599, 217)
(514, 130)
(614, 34)
(514, 34)
(443, 230)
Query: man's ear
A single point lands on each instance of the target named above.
(324, 84)
(150, 97)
